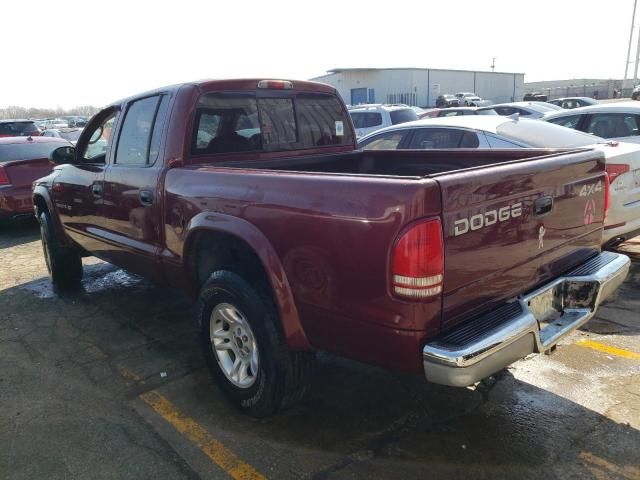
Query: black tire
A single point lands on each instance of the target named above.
(282, 376)
(64, 264)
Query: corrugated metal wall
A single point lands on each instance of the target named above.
(421, 86)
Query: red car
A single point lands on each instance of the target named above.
(23, 160)
(19, 128)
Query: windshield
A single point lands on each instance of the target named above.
(537, 134)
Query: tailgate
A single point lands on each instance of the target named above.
(510, 227)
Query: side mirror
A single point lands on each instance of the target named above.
(63, 155)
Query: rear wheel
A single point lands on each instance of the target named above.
(63, 264)
(245, 349)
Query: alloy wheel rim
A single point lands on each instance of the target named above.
(234, 345)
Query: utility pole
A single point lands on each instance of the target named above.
(493, 59)
(626, 66)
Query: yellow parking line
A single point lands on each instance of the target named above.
(601, 347)
(212, 448)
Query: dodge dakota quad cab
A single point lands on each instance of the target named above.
(251, 196)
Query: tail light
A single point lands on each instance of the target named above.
(418, 261)
(4, 178)
(614, 170)
(607, 195)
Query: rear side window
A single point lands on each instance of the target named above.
(18, 129)
(385, 141)
(366, 119)
(139, 138)
(28, 151)
(402, 116)
(234, 123)
(569, 122)
(427, 138)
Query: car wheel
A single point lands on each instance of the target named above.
(63, 264)
(244, 347)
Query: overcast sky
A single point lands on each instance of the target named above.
(68, 53)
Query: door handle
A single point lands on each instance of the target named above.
(146, 197)
(543, 206)
(96, 190)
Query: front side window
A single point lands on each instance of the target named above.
(612, 125)
(385, 141)
(97, 140)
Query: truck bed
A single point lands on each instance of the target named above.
(400, 163)
(332, 221)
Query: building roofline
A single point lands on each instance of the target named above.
(341, 70)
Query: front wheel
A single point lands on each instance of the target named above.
(245, 349)
(63, 264)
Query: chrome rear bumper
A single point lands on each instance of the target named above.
(533, 323)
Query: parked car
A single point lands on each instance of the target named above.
(55, 123)
(18, 128)
(457, 111)
(635, 93)
(22, 160)
(534, 97)
(69, 134)
(468, 99)
(294, 241)
(613, 121)
(573, 102)
(524, 109)
(447, 100)
(622, 159)
(372, 117)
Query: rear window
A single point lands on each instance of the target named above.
(27, 151)
(233, 123)
(18, 129)
(366, 119)
(402, 116)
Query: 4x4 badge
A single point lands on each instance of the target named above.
(541, 233)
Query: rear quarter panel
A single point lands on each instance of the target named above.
(332, 234)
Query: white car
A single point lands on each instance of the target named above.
(372, 117)
(525, 109)
(55, 123)
(69, 134)
(468, 99)
(614, 121)
(495, 132)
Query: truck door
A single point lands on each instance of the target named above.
(132, 207)
(77, 190)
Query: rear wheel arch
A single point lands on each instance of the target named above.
(239, 247)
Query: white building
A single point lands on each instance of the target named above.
(420, 86)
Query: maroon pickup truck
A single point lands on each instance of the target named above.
(250, 196)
